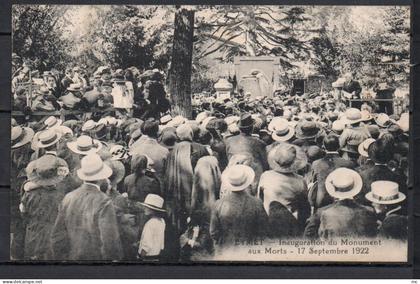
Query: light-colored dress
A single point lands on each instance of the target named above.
(122, 96)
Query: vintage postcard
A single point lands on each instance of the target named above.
(210, 133)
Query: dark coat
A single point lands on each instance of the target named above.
(138, 187)
(343, 218)
(179, 175)
(129, 229)
(65, 83)
(86, 227)
(321, 168)
(281, 222)
(150, 147)
(395, 227)
(352, 137)
(288, 189)
(40, 204)
(238, 217)
(250, 146)
(247, 145)
(353, 86)
(375, 173)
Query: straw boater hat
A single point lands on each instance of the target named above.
(93, 168)
(52, 122)
(385, 192)
(89, 125)
(47, 170)
(343, 183)
(364, 146)
(100, 131)
(177, 121)
(74, 88)
(84, 145)
(366, 115)
(118, 152)
(154, 202)
(281, 130)
(48, 138)
(165, 119)
(231, 120)
(383, 120)
(286, 158)
(238, 177)
(21, 136)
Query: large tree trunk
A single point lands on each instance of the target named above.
(180, 70)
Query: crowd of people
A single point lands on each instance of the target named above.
(134, 182)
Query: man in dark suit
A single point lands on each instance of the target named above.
(318, 196)
(86, 227)
(353, 87)
(345, 217)
(247, 144)
(238, 218)
(381, 152)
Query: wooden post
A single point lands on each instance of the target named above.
(180, 70)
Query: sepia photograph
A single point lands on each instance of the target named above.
(210, 133)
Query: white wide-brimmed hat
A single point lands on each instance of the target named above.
(21, 136)
(47, 170)
(383, 120)
(352, 115)
(238, 177)
(89, 125)
(366, 115)
(364, 146)
(177, 121)
(231, 119)
(118, 152)
(52, 122)
(48, 138)
(287, 158)
(201, 116)
(74, 88)
(93, 168)
(154, 201)
(343, 183)
(281, 129)
(338, 126)
(385, 192)
(84, 145)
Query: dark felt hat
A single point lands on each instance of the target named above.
(246, 121)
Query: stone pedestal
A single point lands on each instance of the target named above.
(267, 66)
